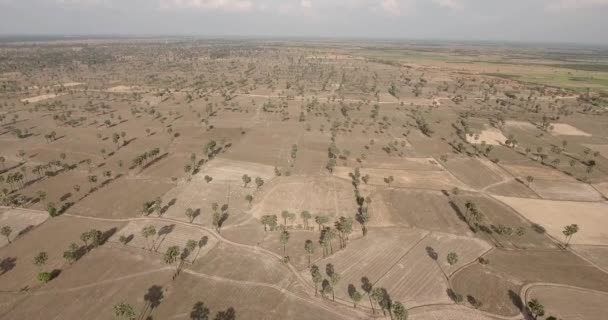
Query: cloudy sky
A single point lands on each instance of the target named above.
(582, 21)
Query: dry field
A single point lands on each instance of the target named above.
(216, 141)
(21, 222)
(571, 303)
(555, 215)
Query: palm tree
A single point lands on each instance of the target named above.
(310, 249)
(334, 278)
(259, 182)
(316, 277)
(399, 311)
(149, 231)
(452, 258)
(123, 311)
(569, 231)
(321, 220)
(170, 256)
(305, 215)
(536, 308)
(246, 180)
(355, 296)
(367, 287)
(190, 214)
(284, 239)
(285, 215)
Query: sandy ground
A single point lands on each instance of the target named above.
(591, 217)
(491, 136)
(41, 98)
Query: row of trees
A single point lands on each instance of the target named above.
(377, 296)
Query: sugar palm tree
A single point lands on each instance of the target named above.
(310, 249)
(284, 239)
(123, 311)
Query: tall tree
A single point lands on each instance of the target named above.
(569, 231)
(306, 216)
(284, 239)
(171, 255)
(367, 287)
(317, 278)
(334, 278)
(149, 231)
(310, 249)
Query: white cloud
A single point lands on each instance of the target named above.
(451, 4)
(227, 5)
(306, 4)
(391, 7)
(567, 5)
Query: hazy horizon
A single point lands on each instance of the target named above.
(530, 21)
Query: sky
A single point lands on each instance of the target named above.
(563, 21)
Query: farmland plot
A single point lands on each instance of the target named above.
(21, 221)
(167, 234)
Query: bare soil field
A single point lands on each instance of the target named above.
(475, 280)
(53, 237)
(372, 256)
(598, 255)
(564, 129)
(554, 215)
(562, 190)
(538, 173)
(21, 222)
(571, 303)
(419, 277)
(426, 210)
(508, 271)
(318, 195)
(512, 188)
(477, 173)
(433, 180)
(123, 199)
(167, 234)
(497, 214)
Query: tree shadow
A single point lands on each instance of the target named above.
(128, 239)
(7, 264)
(55, 273)
(107, 235)
(163, 232)
(153, 298)
(538, 228)
(169, 205)
(199, 312)
(25, 230)
(516, 300)
(229, 314)
(432, 253)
